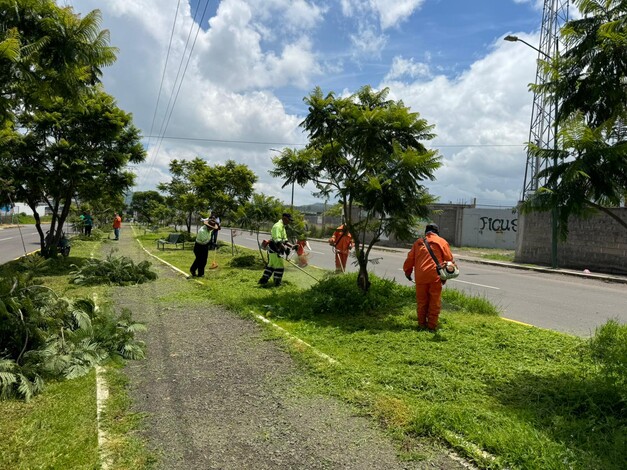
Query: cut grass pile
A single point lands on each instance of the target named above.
(503, 394)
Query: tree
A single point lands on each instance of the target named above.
(183, 194)
(366, 152)
(47, 51)
(50, 63)
(590, 85)
(65, 150)
(147, 205)
(226, 186)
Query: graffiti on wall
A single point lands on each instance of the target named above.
(498, 225)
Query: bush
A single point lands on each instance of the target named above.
(339, 295)
(246, 261)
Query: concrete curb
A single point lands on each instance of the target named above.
(565, 272)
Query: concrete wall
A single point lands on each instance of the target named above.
(598, 243)
(489, 228)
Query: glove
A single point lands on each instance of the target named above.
(287, 253)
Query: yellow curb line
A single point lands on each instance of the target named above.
(519, 322)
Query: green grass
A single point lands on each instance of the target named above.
(56, 429)
(124, 445)
(504, 394)
(495, 254)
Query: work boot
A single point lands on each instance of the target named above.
(263, 281)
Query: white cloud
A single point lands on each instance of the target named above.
(394, 12)
(252, 53)
(486, 112)
(389, 12)
(407, 68)
(367, 42)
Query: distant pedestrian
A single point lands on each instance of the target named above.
(201, 248)
(278, 246)
(342, 242)
(428, 282)
(117, 225)
(82, 222)
(88, 222)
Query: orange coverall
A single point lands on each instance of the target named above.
(343, 242)
(428, 283)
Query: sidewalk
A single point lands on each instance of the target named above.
(217, 394)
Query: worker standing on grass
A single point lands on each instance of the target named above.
(342, 242)
(277, 247)
(201, 248)
(428, 282)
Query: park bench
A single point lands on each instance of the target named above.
(173, 239)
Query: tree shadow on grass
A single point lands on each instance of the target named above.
(584, 413)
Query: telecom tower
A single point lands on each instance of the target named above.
(544, 109)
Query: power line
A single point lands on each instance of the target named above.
(167, 116)
(165, 66)
(259, 142)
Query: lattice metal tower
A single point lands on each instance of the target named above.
(544, 109)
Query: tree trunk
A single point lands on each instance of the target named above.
(362, 279)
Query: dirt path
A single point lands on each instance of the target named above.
(218, 395)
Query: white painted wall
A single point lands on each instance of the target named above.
(489, 228)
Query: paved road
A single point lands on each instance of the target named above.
(16, 241)
(570, 304)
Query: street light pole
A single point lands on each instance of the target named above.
(554, 222)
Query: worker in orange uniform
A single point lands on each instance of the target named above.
(428, 282)
(342, 242)
(303, 256)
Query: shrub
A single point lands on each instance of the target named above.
(339, 294)
(112, 270)
(246, 261)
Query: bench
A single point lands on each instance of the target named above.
(173, 239)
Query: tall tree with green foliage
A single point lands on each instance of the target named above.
(590, 86)
(182, 191)
(65, 151)
(367, 152)
(47, 51)
(226, 186)
(58, 131)
(147, 205)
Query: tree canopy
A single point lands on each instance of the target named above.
(589, 170)
(368, 153)
(61, 136)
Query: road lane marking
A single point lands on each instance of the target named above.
(475, 284)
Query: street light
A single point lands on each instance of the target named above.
(292, 203)
(511, 38)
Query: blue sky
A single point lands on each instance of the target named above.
(254, 60)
